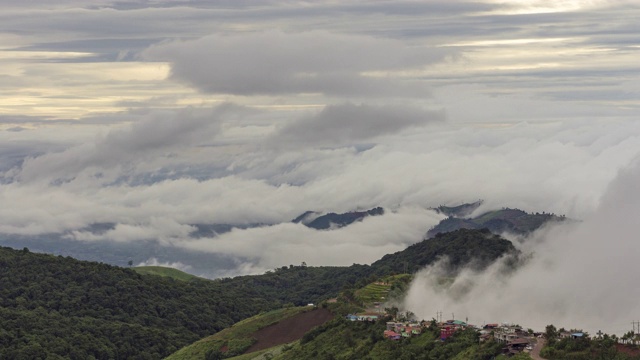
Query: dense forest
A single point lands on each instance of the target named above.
(54, 307)
(460, 247)
(58, 307)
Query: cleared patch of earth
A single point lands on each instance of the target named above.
(629, 350)
(289, 330)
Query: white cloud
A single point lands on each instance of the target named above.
(275, 63)
(580, 275)
(153, 136)
(348, 123)
(288, 243)
(175, 265)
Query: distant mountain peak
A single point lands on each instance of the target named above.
(509, 220)
(320, 221)
(459, 211)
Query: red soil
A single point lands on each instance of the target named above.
(288, 330)
(627, 349)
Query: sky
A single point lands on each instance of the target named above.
(158, 115)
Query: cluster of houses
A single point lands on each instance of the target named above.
(363, 317)
(514, 338)
(397, 330)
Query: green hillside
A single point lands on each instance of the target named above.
(382, 290)
(58, 307)
(237, 338)
(166, 272)
(460, 247)
(342, 339)
(55, 307)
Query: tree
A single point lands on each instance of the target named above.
(393, 311)
(551, 334)
(130, 263)
(213, 354)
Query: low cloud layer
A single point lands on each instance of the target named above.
(361, 243)
(111, 114)
(580, 276)
(154, 135)
(349, 123)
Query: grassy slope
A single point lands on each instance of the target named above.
(380, 291)
(341, 339)
(166, 272)
(237, 335)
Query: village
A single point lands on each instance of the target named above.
(373, 296)
(514, 337)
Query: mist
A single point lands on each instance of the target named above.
(581, 275)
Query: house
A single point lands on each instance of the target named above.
(446, 331)
(507, 333)
(389, 334)
(457, 322)
(515, 346)
(365, 317)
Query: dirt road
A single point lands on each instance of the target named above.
(535, 353)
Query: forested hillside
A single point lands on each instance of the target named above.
(59, 307)
(460, 247)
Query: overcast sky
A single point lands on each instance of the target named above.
(156, 115)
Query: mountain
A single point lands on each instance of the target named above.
(513, 221)
(461, 247)
(458, 211)
(318, 221)
(59, 307)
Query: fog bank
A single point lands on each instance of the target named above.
(581, 275)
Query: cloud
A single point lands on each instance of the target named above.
(154, 135)
(580, 276)
(283, 244)
(175, 265)
(348, 123)
(275, 63)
